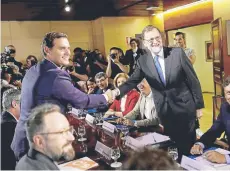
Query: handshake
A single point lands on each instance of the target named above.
(110, 95)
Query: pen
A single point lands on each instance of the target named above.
(154, 139)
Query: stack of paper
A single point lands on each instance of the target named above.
(152, 138)
(84, 163)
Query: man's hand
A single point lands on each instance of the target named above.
(199, 113)
(109, 95)
(196, 149)
(128, 122)
(215, 157)
(109, 113)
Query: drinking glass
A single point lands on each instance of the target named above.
(115, 154)
(173, 152)
(125, 131)
(99, 118)
(81, 132)
(83, 148)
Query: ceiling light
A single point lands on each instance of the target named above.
(67, 8)
(186, 6)
(152, 8)
(66, 1)
(153, 14)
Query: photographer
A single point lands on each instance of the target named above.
(115, 63)
(12, 53)
(16, 76)
(95, 63)
(78, 71)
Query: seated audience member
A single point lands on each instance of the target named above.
(48, 142)
(102, 82)
(10, 116)
(125, 104)
(144, 112)
(132, 55)
(115, 63)
(150, 159)
(219, 126)
(91, 86)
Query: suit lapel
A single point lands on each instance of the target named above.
(168, 61)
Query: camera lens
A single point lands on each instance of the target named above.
(113, 56)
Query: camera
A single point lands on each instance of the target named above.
(5, 56)
(113, 56)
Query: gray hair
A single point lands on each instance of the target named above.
(10, 95)
(100, 75)
(35, 123)
(148, 29)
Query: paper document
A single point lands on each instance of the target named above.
(152, 138)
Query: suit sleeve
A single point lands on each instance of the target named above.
(214, 132)
(64, 90)
(132, 82)
(192, 80)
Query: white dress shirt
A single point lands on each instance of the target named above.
(123, 101)
(161, 61)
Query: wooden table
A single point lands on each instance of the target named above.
(96, 133)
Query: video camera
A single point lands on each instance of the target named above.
(5, 56)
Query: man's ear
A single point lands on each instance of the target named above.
(38, 140)
(13, 104)
(46, 50)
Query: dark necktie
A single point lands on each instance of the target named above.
(159, 69)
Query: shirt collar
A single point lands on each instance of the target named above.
(160, 54)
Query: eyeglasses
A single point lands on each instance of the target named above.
(64, 132)
(152, 39)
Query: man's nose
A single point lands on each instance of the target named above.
(71, 137)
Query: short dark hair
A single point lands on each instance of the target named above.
(114, 48)
(134, 40)
(150, 159)
(91, 79)
(32, 57)
(180, 33)
(226, 81)
(35, 123)
(78, 50)
(148, 29)
(49, 38)
(11, 46)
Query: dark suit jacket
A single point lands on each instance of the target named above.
(129, 59)
(182, 94)
(35, 160)
(8, 124)
(222, 124)
(46, 83)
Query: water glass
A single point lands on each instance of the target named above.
(125, 131)
(99, 118)
(115, 154)
(173, 152)
(81, 132)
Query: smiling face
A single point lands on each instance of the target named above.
(180, 42)
(60, 52)
(153, 41)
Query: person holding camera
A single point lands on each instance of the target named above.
(12, 53)
(115, 63)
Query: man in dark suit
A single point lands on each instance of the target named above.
(132, 55)
(222, 124)
(10, 116)
(102, 81)
(48, 83)
(175, 87)
(48, 142)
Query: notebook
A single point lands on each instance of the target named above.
(84, 163)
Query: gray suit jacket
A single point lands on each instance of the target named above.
(35, 160)
(181, 96)
(138, 114)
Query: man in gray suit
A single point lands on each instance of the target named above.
(48, 142)
(46, 82)
(175, 87)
